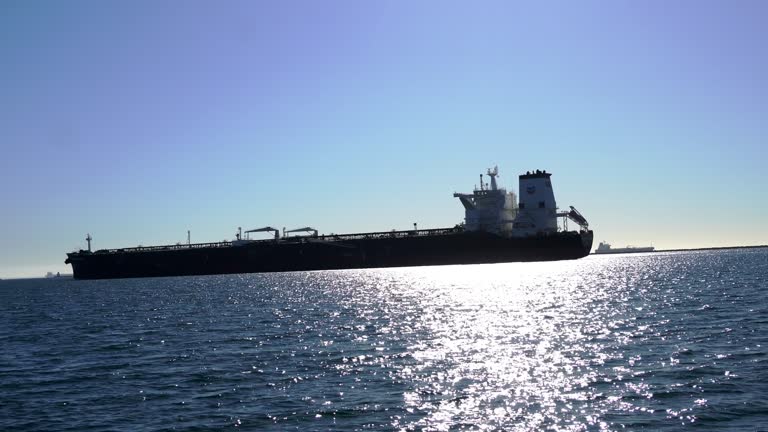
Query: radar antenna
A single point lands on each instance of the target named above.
(493, 173)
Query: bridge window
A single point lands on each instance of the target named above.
(522, 205)
(541, 204)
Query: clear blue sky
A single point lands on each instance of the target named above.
(138, 120)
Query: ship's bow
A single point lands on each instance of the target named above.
(586, 241)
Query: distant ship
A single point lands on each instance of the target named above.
(497, 228)
(605, 248)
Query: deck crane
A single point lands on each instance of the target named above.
(305, 229)
(266, 229)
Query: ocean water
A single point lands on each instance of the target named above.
(662, 341)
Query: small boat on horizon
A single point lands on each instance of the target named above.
(605, 248)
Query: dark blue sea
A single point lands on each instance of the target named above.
(661, 341)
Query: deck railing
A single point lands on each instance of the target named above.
(292, 239)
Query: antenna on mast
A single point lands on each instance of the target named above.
(492, 173)
(88, 238)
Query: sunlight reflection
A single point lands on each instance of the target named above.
(521, 346)
(509, 344)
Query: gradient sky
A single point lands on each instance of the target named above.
(138, 120)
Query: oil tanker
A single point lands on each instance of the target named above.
(497, 228)
(605, 248)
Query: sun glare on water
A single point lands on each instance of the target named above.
(519, 345)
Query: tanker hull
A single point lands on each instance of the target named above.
(376, 250)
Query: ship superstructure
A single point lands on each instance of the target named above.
(493, 209)
(497, 228)
(489, 209)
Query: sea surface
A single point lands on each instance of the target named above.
(660, 341)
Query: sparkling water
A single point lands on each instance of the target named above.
(658, 341)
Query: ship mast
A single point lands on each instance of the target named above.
(492, 174)
(88, 238)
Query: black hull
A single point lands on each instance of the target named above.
(314, 254)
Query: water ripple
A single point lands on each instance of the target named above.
(653, 341)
